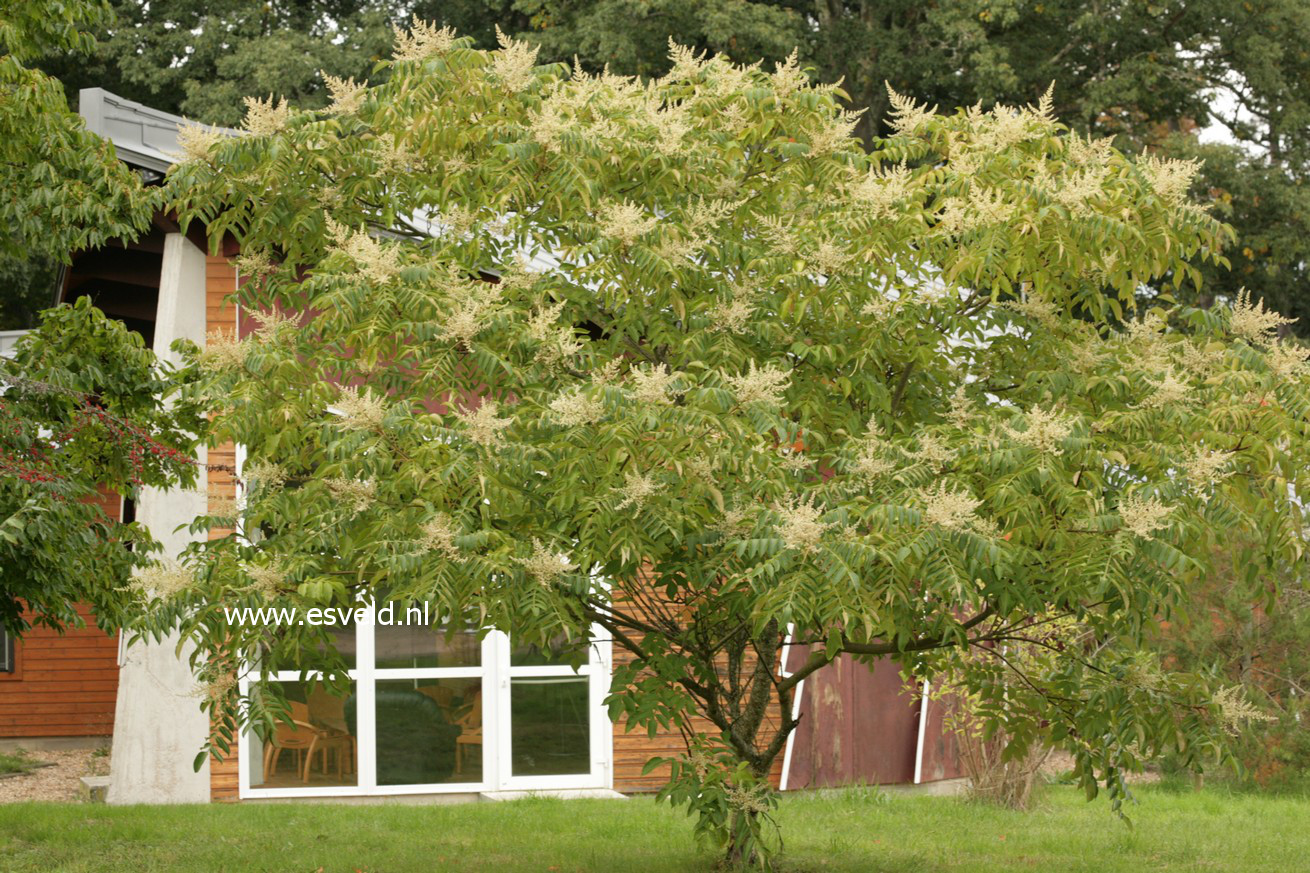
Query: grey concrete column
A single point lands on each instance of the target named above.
(158, 725)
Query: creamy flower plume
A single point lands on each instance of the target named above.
(196, 142)
(358, 494)
(881, 189)
(544, 565)
(932, 450)
(267, 579)
(266, 117)
(906, 115)
(361, 410)
(625, 222)
(575, 408)
(799, 526)
(637, 488)
(347, 95)
(1143, 516)
(765, 385)
(439, 534)
(1045, 431)
(1169, 178)
(264, 475)
(377, 262)
(482, 426)
(162, 579)
(223, 351)
(950, 509)
(1169, 391)
(1235, 711)
(653, 385)
(1252, 322)
(1206, 467)
(733, 315)
(421, 41)
(513, 64)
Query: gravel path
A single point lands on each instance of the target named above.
(60, 783)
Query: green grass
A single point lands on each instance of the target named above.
(846, 831)
(16, 762)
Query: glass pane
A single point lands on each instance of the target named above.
(549, 727)
(429, 731)
(316, 751)
(559, 650)
(406, 637)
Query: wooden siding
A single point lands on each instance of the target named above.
(64, 683)
(633, 749)
(221, 315)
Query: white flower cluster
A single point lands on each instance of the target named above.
(265, 118)
(765, 385)
(653, 385)
(264, 578)
(482, 426)
(347, 95)
(265, 475)
(637, 488)
(799, 525)
(377, 262)
(1252, 322)
(361, 410)
(439, 536)
(1169, 178)
(575, 408)
(163, 579)
(1143, 516)
(196, 142)
(544, 565)
(1206, 468)
(950, 509)
(514, 63)
(359, 494)
(223, 351)
(421, 41)
(625, 222)
(1045, 431)
(554, 342)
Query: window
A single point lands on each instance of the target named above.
(6, 651)
(429, 709)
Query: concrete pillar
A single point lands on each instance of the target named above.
(158, 725)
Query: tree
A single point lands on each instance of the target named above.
(751, 378)
(64, 187)
(82, 415)
(201, 58)
(1149, 74)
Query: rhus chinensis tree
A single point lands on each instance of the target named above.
(736, 378)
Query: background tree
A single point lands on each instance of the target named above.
(82, 417)
(750, 378)
(64, 189)
(1150, 74)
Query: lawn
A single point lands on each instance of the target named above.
(846, 831)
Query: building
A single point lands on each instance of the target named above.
(425, 714)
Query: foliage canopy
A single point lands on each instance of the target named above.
(736, 377)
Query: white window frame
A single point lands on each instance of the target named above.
(497, 676)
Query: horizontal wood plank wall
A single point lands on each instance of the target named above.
(65, 682)
(221, 315)
(632, 749)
